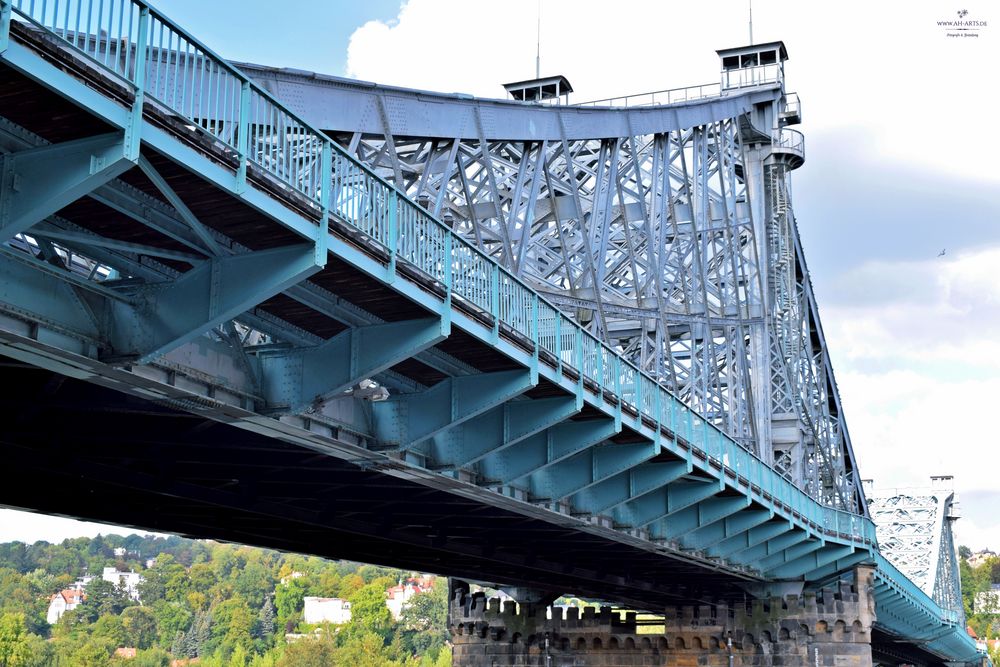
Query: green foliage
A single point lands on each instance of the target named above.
(220, 603)
(13, 640)
(140, 627)
(369, 615)
(425, 621)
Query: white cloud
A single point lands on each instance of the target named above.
(884, 70)
(918, 365)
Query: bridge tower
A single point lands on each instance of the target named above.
(915, 532)
(678, 247)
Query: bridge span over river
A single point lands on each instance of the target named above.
(555, 348)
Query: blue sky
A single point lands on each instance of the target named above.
(901, 163)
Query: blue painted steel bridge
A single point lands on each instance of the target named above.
(456, 335)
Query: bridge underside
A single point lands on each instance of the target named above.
(82, 450)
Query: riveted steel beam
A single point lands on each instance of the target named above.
(531, 456)
(37, 182)
(590, 467)
(795, 568)
(700, 515)
(623, 487)
(497, 429)
(664, 502)
(294, 379)
(405, 420)
(715, 533)
(215, 291)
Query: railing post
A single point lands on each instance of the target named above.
(495, 301)
(600, 368)
(618, 388)
(393, 240)
(133, 133)
(559, 342)
(326, 179)
(243, 140)
(637, 393)
(578, 348)
(6, 7)
(535, 336)
(448, 265)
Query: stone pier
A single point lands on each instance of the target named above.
(830, 628)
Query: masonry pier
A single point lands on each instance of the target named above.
(828, 628)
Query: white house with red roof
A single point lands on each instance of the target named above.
(398, 597)
(63, 601)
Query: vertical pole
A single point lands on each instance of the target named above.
(393, 240)
(618, 388)
(5, 17)
(559, 361)
(495, 301)
(448, 264)
(243, 140)
(535, 336)
(326, 181)
(133, 133)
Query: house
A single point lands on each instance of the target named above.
(398, 597)
(977, 559)
(326, 610)
(63, 601)
(126, 652)
(987, 602)
(129, 581)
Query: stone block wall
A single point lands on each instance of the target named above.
(826, 629)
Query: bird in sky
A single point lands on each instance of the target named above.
(943, 251)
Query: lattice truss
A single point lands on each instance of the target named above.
(650, 241)
(914, 530)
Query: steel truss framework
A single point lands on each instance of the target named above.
(915, 532)
(679, 248)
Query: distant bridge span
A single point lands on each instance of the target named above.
(221, 322)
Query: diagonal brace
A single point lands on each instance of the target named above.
(621, 488)
(663, 503)
(590, 467)
(405, 420)
(543, 450)
(702, 514)
(295, 379)
(216, 291)
(497, 429)
(715, 533)
(37, 182)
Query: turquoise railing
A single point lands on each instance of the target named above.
(165, 65)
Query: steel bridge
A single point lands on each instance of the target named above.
(565, 347)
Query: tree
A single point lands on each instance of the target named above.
(13, 640)
(288, 598)
(104, 597)
(964, 552)
(140, 627)
(369, 613)
(364, 650)
(265, 620)
(425, 620)
(310, 653)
